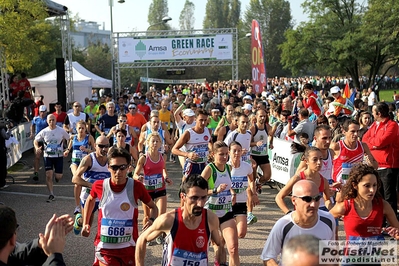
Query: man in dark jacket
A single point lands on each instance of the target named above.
(46, 251)
(16, 109)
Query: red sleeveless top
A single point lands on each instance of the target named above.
(370, 226)
(321, 187)
(187, 246)
(153, 174)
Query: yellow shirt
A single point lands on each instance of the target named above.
(165, 117)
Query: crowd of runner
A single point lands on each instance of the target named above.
(221, 135)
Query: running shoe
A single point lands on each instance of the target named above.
(160, 240)
(77, 227)
(35, 176)
(151, 243)
(77, 210)
(3, 187)
(50, 198)
(251, 219)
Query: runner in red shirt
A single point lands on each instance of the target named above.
(189, 229)
(59, 114)
(364, 208)
(117, 229)
(143, 108)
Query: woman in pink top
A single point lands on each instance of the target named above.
(155, 176)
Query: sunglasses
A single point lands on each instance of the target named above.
(132, 108)
(102, 146)
(122, 121)
(118, 167)
(309, 199)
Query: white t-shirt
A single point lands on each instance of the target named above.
(323, 229)
(371, 99)
(239, 180)
(243, 139)
(52, 139)
(182, 126)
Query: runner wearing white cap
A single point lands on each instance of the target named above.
(187, 122)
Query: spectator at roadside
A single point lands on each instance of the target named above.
(304, 126)
(381, 138)
(371, 99)
(311, 101)
(16, 109)
(5, 134)
(365, 121)
(13, 85)
(46, 250)
(340, 106)
(37, 105)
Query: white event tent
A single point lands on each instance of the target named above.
(83, 82)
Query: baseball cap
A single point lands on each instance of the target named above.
(42, 108)
(188, 112)
(247, 106)
(335, 89)
(132, 106)
(247, 97)
(271, 98)
(264, 94)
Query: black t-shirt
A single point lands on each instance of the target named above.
(16, 109)
(107, 122)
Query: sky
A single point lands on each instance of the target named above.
(132, 15)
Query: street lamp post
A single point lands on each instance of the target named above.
(164, 20)
(111, 3)
(248, 35)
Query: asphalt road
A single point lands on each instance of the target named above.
(28, 198)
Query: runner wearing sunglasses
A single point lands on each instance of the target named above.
(306, 219)
(118, 196)
(131, 136)
(92, 167)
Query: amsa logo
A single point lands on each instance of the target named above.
(157, 48)
(280, 163)
(280, 160)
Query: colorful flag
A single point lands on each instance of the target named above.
(138, 87)
(347, 92)
(257, 61)
(207, 86)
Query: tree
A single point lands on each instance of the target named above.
(24, 32)
(98, 59)
(157, 11)
(274, 17)
(222, 14)
(187, 19)
(46, 58)
(234, 13)
(344, 37)
(380, 37)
